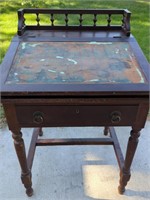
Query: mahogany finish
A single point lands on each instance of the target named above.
(108, 103)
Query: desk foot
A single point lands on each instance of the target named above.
(40, 132)
(124, 178)
(121, 190)
(26, 180)
(29, 192)
(106, 130)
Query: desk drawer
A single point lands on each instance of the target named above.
(48, 116)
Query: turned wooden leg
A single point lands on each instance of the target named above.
(40, 131)
(21, 154)
(131, 148)
(106, 130)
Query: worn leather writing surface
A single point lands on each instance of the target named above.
(74, 62)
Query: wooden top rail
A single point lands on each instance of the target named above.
(74, 19)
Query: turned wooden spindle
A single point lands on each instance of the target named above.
(38, 19)
(80, 20)
(66, 19)
(52, 19)
(109, 20)
(95, 19)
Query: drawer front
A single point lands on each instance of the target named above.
(52, 116)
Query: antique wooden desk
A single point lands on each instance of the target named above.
(70, 69)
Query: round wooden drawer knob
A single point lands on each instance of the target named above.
(38, 117)
(115, 117)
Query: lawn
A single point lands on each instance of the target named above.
(140, 21)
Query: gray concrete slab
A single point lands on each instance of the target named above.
(75, 172)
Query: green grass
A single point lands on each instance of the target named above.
(140, 20)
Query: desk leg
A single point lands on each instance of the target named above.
(106, 130)
(131, 148)
(40, 131)
(21, 154)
